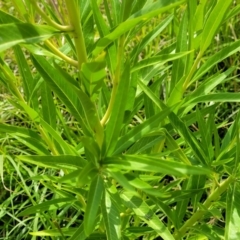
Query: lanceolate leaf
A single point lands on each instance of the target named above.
(64, 90)
(142, 210)
(7, 18)
(55, 232)
(213, 23)
(140, 131)
(158, 59)
(104, 30)
(47, 206)
(111, 218)
(16, 33)
(48, 107)
(216, 58)
(152, 164)
(216, 97)
(115, 122)
(232, 230)
(63, 161)
(79, 234)
(179, 66)
(93, 203)
(24, 70)
(149, 37)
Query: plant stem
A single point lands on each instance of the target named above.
(47, 140)
(75, 21)
(60, 54)
(197, 215)
(192, 71)
(48, 20)
(116, 80)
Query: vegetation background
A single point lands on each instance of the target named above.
(119, 119)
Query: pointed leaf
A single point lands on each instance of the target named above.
(64, 161)
(16, 33)
(213, 23)
(93, 203)
(232, 230)
(152, 164)
(143, 211)
(111, 218)
(47, 206)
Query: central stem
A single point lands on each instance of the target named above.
(116, 80)
(75, 21)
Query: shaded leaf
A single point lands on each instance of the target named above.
(16, 33)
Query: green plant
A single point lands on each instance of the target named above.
(121, 127)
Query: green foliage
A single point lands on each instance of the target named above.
(111, 125)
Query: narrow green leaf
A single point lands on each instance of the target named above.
(37, 49)
(116, 118)
(147, 142)
(158, 59)
(66, 147)
(145, 187)
(208, 85)
(55, 232)
(142, 16)
(150, 36)
(16, 33)
(1, 168)
(48, 106)
(65, 91)
(179, 66)
(64, 161)
(225, 52)
(88, 173)
(47, 206)
(182, 205)
(7, 18)
(213, 23)
(33, 144)
(111, 218)
(199, 16)
(79, 234)
(25, 72)
(33, 115)
(27, 136)
(115, 6)
(153, 164)
(140, 131)
(232, 230)
(91, 116)
(93, 203)
(93, 75)
(119, 177)
(143, 211)
(178, 125)
(104, 30)
(215, 97)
